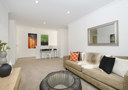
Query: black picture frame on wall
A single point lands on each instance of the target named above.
(44, 40)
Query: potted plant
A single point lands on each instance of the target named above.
(3, 53)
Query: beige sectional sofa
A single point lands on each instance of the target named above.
(96, 77)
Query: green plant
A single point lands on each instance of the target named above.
(3, 46)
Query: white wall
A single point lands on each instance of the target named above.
(3, 24)
(62, 42)
(77, 33)
(12, 42)
(22, 39)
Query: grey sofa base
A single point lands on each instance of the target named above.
(91, 80)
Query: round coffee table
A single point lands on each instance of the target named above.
(61, 80)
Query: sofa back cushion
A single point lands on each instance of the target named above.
(82, 55)
(93, 58)
(74, 56)
(107, 64)
(120, 67)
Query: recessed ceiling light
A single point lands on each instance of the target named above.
(36, 1)
(68, 12)
(44, 22)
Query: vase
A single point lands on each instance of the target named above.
(3, 59)
(5, 70)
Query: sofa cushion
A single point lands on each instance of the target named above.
(74, 56)
(78, 55)
(120, 67)
(82, 55)
(92, 58)
(109, 79)
(107, 64)
(73, 65)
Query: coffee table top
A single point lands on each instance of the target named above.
(61, 80)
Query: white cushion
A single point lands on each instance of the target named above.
(82, 55)
(108, 55)
(120, 66)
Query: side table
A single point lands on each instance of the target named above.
(11, 82)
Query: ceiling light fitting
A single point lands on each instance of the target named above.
(68, 12)
(44, 22)
(36, 1)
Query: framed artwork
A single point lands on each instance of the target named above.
(44, 39)
(112, 38)
(32, 40)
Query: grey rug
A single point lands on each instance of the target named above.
(34, 70)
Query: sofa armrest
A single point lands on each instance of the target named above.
(65, 58)
(126, 81)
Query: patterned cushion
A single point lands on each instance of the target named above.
(78, 55)
(74, 56)
(81, 56)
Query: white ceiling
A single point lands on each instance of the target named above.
(52, 11)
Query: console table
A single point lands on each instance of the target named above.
(44, 51)
(11, 82)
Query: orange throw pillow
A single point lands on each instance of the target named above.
(74, 56)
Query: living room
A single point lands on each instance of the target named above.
(67, 29)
